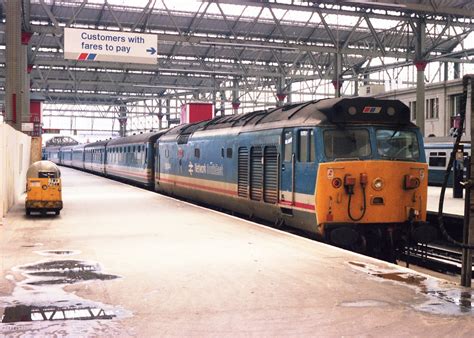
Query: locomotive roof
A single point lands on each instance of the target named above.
(336, 111)
(139, 138)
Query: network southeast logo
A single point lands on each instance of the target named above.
(87, 56)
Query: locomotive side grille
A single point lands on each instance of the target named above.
(243, 173)
(270, 188)
(256, 174)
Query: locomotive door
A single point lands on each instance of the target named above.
(287, 184)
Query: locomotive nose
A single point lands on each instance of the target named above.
(371, 192)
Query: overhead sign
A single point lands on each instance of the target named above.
(99, 45)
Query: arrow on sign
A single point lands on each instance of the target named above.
(151, 50)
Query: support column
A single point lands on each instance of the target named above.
(337, 83)
(468, 233)
(281, 92)
(222, 105)
(17, 83)
(337, 80)
(160, 114)
(235, 97)
(457, 70)
(289, 99)
(168, 111)
(420, 94)
(420, 64)
(123, 120)
(214, 102)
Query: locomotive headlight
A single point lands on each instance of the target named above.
(391, 111)
(377, 184)
(352, 110)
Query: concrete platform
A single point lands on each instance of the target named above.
(453, 206)
(187, 271)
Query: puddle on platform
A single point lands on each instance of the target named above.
(32, 245)
(64, 272)
(39, 306)
(402, 278)
(443, 298)
(23, 313)
(58, 252)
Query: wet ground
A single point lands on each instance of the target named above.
(121, 261)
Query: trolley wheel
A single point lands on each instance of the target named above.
(57, 212)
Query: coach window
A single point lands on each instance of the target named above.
(197, 153)
(288, 138)
(437, 159)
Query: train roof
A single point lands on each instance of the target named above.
(138, 138)
(72, 147)
(336, 111)
(443, 145)
(97, 144)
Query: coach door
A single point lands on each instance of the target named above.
(287, 169)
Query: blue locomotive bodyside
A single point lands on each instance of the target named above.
(246, 172)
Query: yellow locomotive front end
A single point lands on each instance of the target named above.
(359, 201)
(372, 179)
(43, 188)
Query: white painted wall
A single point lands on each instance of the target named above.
(14, 162)
(443, 90)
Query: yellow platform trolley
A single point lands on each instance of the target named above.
(43, 188)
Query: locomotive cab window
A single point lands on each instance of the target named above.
(397, 144)
(346, 144)
(306, 148)
(197, 152)
(229, 152)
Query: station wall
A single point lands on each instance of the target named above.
(14, 162)
(442, 103)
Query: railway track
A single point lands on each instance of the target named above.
(438, 257)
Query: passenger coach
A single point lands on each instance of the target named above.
(133, 158)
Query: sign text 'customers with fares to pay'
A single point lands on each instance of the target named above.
(97, 45)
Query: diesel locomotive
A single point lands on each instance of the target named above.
(352, 171)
